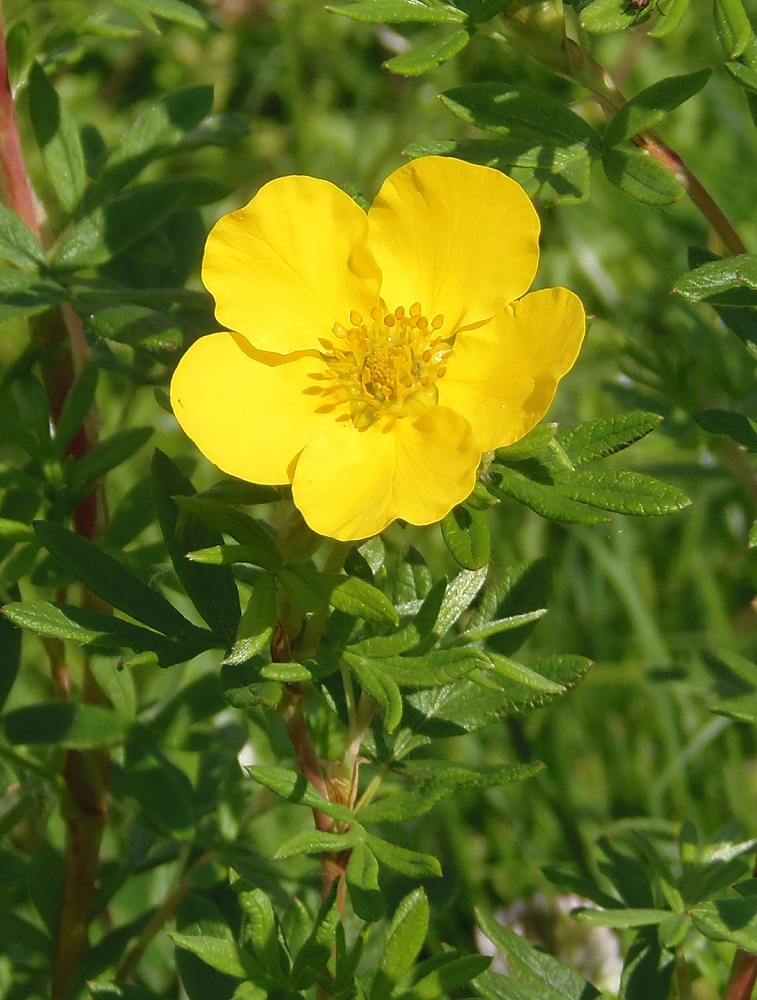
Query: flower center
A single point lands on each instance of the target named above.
(386, 366)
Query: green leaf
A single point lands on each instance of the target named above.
(75, 624)
(541, 498)
(521, 112)
(316, 842)
(75, 408)
(379, 686)
(440, 666)
(106, 455)
(262, 929)
(112, 581)
(18, 244)
(510, 670)
(294, 787)
(58, 139)
(604, 16)
(727, 282)
(287, 673)
(398, 12)
(733, 920)
(736, 426)
(443, 974)
(163, 792)
(169, 10)
(622, 492)
(117, 224)
(732, 25)
(154, 134)
(458, 597)
(345, 593)
(256, 624)
(744, 76)
(605, 436)
(23, 294)
(428, 57)
(220, 517)
(319, 946)
(637, 174)
(551, 173)
(412, 864)
(219, 953)
(368, 902)
(673, 12)
(71, 725)
(480, 632)
(465, 531)
(539, 973)
(650, 106)
(631, 917)
(404, 940)
(211, 589)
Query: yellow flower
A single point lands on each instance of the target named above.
(375, 356)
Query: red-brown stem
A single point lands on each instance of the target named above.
(694, 188)
(18, 190)
(742, 978)
(62, 350)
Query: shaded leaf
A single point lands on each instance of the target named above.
(521, 112)
(66, 724)
(639, 175)
(398, 12)
(647, 108)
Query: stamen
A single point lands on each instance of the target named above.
(386, 368)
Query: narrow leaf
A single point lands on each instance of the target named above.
(647, 108)
(398, 12)
(220, 954)
(623, 492)
(413, 864)
(465, 531)
(404, 940)
(66, 724)
(733, 27)
(111, 580)
(605, 436)
(18, 244)
(295, 788)
(376, 683)
(316, 842)
(362, 881)
(521, 112)
(211, 589)
(542, 499)
(57, 136)
(428, 57)
(637, 174)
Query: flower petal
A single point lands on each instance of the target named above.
(350, 484)
(248, 412)
(502, 376)
(290, 264)
(461, 239)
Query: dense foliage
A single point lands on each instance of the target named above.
(238, 759)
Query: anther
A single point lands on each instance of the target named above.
(415, 309)
(355, 318)
(376, 313)
(437, 322)
(389, 320)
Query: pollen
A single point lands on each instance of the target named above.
(387, 366)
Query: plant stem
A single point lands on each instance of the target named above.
(58, 334)
(742, 978)
(162, 915)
